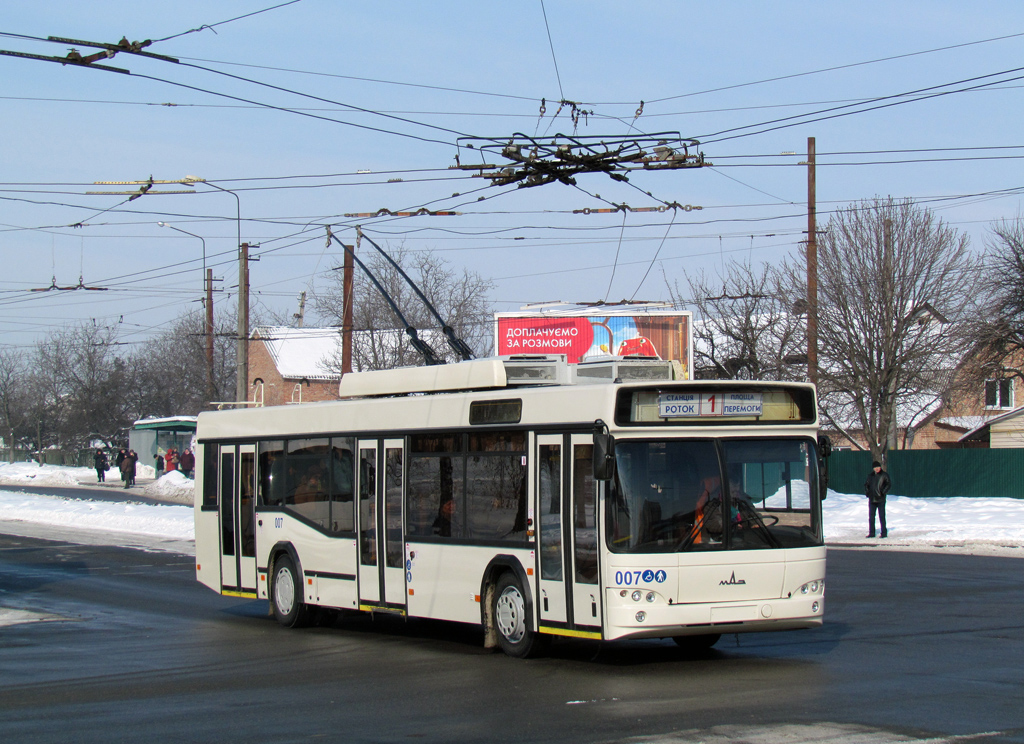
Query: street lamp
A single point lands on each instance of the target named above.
(165, 224)
(242, 347)
(208, 303)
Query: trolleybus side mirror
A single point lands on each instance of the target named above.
(604, 452)
(824, 452)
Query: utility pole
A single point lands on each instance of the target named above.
(301, 315)
(892, 435)
(209, 335)
(242, 361)
(346, 314)
(812, 267)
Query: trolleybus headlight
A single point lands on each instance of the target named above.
(814, 606)
(813, 587)
(650, 596)
(637, 595)
(623, 593)
(641, 616)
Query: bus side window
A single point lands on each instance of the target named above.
(210, 454)
(434, 491)
(342, 479)
(585, 519)
(270, 491)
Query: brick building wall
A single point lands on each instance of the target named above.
(278, 390)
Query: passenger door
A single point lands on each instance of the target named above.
(551, 475)
(585, 569)
(236, 497)
(381, 537)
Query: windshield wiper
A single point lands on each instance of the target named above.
(750, 514)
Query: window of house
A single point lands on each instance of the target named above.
(999, 394)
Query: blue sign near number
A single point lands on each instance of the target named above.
(635, 577)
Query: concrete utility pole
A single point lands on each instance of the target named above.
(812, 267)
(242, 372)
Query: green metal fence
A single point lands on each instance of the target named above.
(919, 473)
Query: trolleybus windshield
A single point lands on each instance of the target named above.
(699, 495)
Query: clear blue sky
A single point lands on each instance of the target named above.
(476, 69)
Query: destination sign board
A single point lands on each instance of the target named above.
(682, 405)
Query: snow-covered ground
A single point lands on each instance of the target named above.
(982, 526)
(128, 523)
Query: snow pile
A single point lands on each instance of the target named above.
(170, 522)
(172, 487)
(31, 474)
(935, 522)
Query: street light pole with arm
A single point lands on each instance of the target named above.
(208, 307)
(242, 344)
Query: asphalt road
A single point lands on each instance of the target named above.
(102, 644)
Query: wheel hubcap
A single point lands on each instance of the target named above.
(284, 591)
(510, 612)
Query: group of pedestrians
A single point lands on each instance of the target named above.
(171, 461)
(127, 459)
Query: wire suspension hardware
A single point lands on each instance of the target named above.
(457, 345)
(429, 356)
(540, 160)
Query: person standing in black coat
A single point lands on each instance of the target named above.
(876, 487)
(102, 465)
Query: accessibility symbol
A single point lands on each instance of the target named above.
(648, 575)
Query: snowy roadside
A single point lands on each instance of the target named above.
(973, 526)
(126, 524)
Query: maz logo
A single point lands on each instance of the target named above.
(732, 581)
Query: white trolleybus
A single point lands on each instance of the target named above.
(527, 496)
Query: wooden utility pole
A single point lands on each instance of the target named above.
(242, 349)
(300, 317)
(812, 267)
(346, 314)
(210, 388)
(892, 435)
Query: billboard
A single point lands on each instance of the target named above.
(590, 332)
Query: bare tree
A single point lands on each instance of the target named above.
(174, 368)
(894, 287)
(460, 298)
(13, 398)
(79, 384)
(746, 327)
(999, 328)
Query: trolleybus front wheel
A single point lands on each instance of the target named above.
(289, 609)
(509, 613)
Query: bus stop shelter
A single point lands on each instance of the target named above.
(150, 437)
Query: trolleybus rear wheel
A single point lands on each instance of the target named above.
(289, 610)
(509, 612)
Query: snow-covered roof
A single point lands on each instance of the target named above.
(963, 422)
(167, 422)
(978, 430)
(301, 352)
